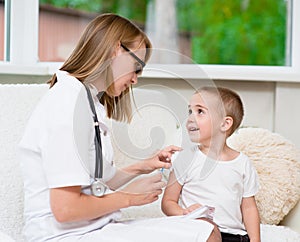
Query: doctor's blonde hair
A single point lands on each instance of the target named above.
(92, 56)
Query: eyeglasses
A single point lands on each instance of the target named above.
(140, 65)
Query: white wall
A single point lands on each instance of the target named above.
(287, 118)
(270, 105)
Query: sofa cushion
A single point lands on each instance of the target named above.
(278, 165)
(17, 101)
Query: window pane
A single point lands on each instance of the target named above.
(59, 31)
(2, 30)
(191, 31)
(61, 22)
(235, 32)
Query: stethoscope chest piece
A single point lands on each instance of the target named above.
(98, 188)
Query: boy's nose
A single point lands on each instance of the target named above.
(191, 118)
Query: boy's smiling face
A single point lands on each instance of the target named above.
(205, 117)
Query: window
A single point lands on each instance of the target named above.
(30, 51)
(62, 22)
(59, 31)
(230, 32)
(239, 32)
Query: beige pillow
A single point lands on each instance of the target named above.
(278, 166)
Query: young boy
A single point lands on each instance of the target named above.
(217, 176)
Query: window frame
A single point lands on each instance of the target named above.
(22, 58)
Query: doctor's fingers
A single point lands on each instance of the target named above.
(154, 178)
(144, 185)
(153, 182)
(166, 154)
(157, 186)
(146, 198)
(172, 148)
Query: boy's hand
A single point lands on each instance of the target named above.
(191, 208)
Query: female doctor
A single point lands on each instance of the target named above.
(69, 196)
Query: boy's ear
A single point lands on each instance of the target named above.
(226, 124)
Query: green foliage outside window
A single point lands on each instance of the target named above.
(248, 32)
(241, 32)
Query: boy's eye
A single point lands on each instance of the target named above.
(198, 111)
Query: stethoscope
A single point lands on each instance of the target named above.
(98, 187)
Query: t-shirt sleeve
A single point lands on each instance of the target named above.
(62, 164)
(179, 173)
(183, 164)
(251, 181)
(67, 144)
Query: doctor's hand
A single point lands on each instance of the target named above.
(161, 159)
(144, 190)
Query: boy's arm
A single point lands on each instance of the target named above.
(251, 218)
(170, 198)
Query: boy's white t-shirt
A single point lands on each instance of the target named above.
(220, 184)
(57, 150)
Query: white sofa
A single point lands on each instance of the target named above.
(17, 102)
